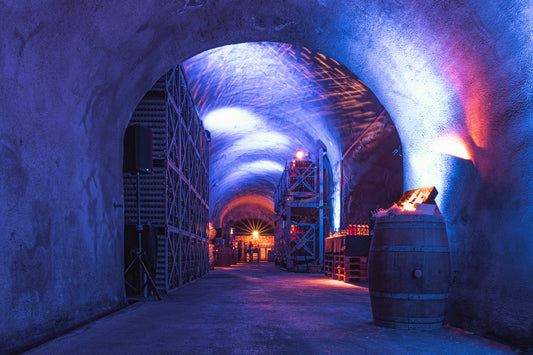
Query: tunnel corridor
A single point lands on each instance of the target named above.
(454, 82)
(261, 102)
(257, 104)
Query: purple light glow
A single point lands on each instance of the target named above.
(264, 101)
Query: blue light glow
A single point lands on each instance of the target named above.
(425, 111)
(241, 173)
(231, 120)
(264, 166)
(260, 141)
(263, 101)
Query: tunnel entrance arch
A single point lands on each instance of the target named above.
(300, 99)
(253, 235)
(429, 75)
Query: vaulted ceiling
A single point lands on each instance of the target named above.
(263, 101)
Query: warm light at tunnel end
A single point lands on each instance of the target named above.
(266, 202)
(255, 234)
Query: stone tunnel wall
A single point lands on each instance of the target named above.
(72, 73)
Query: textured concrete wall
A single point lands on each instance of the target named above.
(72, 74)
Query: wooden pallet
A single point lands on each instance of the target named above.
(338, 267)
(353, 269)
(328, 265)
(351, 278)
(356, 266)
(357, 259)
(356, 279)
(359, 273)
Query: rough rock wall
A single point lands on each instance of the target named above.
(72, 74)
(373, 173)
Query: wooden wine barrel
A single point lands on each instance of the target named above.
(409, 271)
(224, 256)
(211, 256)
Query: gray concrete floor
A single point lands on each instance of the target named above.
(259, 309)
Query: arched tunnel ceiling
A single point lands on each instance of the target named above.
(263, 101)
(73, 71)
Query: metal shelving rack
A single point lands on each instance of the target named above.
(301, 212)
(174, 198)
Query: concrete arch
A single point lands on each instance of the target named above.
(454, 75)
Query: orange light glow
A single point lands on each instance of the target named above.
(417, 198)
(263, 202)
(472, 93)
(333, 283)
(452, 144)
(412, 198)
(255, 234)
(299, 154)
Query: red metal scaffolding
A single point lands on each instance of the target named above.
(301, 211)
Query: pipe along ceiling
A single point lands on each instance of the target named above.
(263, 101)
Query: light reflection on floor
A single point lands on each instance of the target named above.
(334, 283)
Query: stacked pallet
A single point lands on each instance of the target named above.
(338, 266)
(346, 268)
(174, 198)
(341, 264)
(328, 265)
(356, 269)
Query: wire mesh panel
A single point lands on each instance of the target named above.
(187, 212)
(151, 113)
(298, 181)
(280, 256)
(301, 177)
